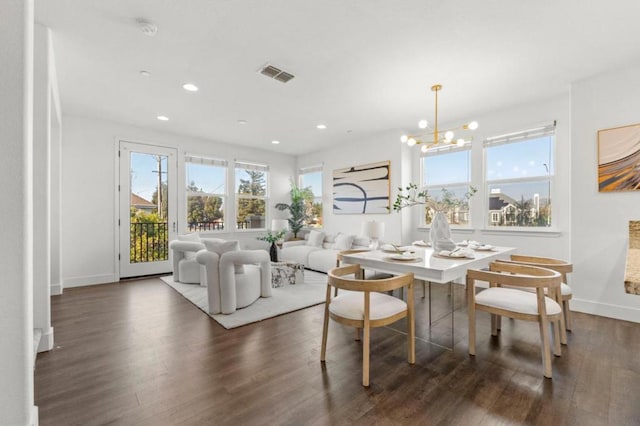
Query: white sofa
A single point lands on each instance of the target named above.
(319, 251)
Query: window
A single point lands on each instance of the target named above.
(518, 175)
(445, 174)
(311, 177)
(206, 193)
(252, 184)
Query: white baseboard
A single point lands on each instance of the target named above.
(625, 313)
(46, 340)
(34, 416)
(56, 289)
(89, 280)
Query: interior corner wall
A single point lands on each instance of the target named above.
(16, 245)
(374, 148)
(89, 188)
(600, 219)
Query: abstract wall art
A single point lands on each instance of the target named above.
(619, 159)
(362, 189)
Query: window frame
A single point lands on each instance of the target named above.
(250, 165)
(316, 198)
(431, 189)
(211, 162)
(544, 130)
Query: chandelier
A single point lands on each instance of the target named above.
(435, 136)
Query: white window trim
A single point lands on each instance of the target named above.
(260, 167)
(434, 188)
(515, 137)
(213, 162)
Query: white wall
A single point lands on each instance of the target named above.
(89, 190)
(600, 220)
(372, 149)
(16, 244)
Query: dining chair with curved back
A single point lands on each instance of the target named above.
(563, 268)
(504, 298)
(365, 306)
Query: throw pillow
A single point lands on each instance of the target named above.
(189, 237)
(343, 242)
(219, 246)
(315, 238)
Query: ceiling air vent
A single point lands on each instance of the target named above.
(276, 73)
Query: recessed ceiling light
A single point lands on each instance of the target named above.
(190, 87)
(321, 126)
(275, 142)
(163, 118)
(145, 73)
(242, 122)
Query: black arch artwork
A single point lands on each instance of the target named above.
(361, 189)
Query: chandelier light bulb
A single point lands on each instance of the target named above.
(448, 136)
(411, 142)
(424, 148)
(460, 142)
(473, 125)
(404, 138)
(423, 124)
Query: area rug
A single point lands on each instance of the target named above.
(285, 299)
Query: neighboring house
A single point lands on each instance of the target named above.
(141, 204)
(502, 210)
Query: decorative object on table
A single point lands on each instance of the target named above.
(362, 189)
(618, 157)
(286, 273)
(273, 237)
(440, 233)
(297, 208)
(632, 269)
(374, 230)
(434, 136)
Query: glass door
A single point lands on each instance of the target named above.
(148, 210)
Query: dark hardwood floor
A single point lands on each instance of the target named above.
(137, 353)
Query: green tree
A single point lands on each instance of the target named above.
(148, 237)
(523, 207)
(164, 208)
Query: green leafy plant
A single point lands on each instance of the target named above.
(411, 196)
(272, 237)
(297, 208)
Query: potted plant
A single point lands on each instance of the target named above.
(273, 238)
(296, 208)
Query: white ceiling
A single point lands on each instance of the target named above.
(360, 66)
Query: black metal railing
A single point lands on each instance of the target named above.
(205, 226)
(149, 242)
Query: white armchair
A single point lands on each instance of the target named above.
(185, 267)
(235, 278)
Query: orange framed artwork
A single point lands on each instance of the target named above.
(619, 159)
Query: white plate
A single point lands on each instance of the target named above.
(453, 257)
(485, 247)
(403, 257)
(421, 244)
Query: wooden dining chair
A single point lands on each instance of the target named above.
(563, 268)
(504, 298)
(365, 306)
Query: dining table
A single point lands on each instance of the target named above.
(430, 266)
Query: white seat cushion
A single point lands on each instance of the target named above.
(515, 300)
(565, 289)
(351, 305)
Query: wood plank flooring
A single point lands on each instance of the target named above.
(137, 353)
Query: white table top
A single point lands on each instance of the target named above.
(430, 267)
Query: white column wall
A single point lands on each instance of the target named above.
(89, 195)
(600, 220)
(42, 189)
(16, 303)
